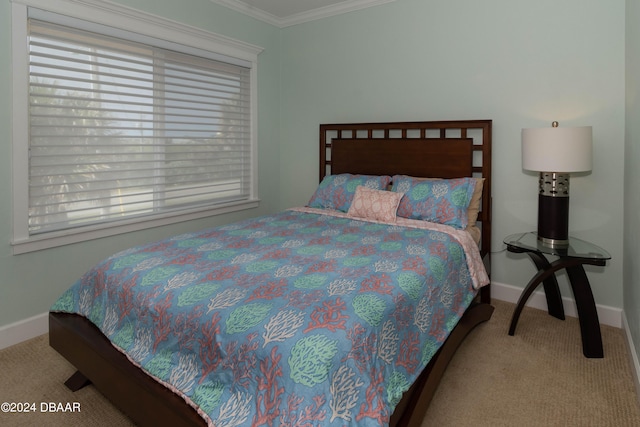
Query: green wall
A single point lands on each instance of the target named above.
(521, 64)
(631, 290)
(30, 283)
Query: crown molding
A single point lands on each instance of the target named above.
(299, 18)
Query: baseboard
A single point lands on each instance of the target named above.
(633, 355)
(611, 316)
(23, 330)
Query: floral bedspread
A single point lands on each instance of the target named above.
(298, 318)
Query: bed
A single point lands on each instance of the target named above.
(364, 337)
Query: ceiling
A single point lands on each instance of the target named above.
(284, 13)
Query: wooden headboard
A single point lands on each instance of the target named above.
(442, 149)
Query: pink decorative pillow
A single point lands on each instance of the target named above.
(375, 204)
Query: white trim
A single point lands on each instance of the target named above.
(19, 127)
(23, 330)
(135, 36)
(611, 316)
(244, 8)
(118, 16)
(51, 240)
(299, 18)
(633, 355)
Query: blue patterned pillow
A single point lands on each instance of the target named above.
(337, 191)
(444, 201)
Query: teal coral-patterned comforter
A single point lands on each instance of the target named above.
(301, 318)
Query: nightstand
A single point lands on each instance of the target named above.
(571, 258)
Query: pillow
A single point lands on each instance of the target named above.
(474, 204)
(375, 204)
(337, 191)
(444, 201)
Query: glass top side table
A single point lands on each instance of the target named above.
(571, 258)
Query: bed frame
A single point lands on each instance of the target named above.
(445, 149)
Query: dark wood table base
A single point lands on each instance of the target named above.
(585, 304)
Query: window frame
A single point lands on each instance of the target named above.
(120, 18)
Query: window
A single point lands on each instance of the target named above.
(124, 131)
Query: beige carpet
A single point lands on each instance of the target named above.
(539, 377)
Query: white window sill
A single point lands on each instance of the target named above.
(67, 237)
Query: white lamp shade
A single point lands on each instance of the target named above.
(557, 149)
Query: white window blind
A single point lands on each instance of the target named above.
(120, 129)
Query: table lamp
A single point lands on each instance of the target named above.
(555, 152)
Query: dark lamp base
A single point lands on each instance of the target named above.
(553, 221)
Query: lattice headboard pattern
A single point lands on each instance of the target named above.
(440, 149)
